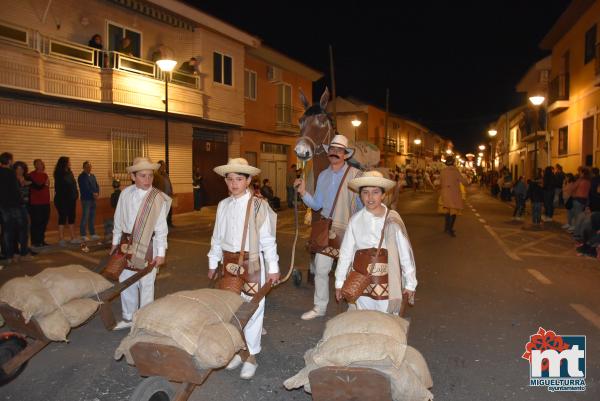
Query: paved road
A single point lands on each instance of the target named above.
(480, 296)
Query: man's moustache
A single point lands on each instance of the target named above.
(333, 155)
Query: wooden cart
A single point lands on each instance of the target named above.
(162, 364)
(35, 338)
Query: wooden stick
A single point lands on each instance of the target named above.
(333, 86)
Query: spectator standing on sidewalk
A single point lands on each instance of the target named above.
(567, 196)
(594, 196)
(535, 193)
(289, 185)
(559, 179)
(90, 191)
(548, 187)
(198, 188)
(65, 199)
(39, 203)
(10, 202)
(520, 192)
(21, 171)
(580, 194)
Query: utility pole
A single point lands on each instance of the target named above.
(333, 86)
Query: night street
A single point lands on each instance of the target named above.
(480, 296)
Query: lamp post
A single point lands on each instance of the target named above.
(492, 133)
(356, 123)
(538, 101)
(166, 66)
(418, 143)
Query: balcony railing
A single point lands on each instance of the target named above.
(287, 117)
(559, 88)
(95, 58)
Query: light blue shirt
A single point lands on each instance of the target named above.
(327, 185)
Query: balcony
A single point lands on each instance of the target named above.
(55, 67)
(387, 145)
(287, 119)
(597, 66)
(558, 96)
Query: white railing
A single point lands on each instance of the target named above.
(82, 54)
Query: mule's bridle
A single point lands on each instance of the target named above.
(326, 139)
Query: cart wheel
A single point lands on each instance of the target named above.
(9, 348)
(297, 277)
(153, 388)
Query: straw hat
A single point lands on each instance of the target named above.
(142, 163)
(340, 141)
(372, 178)
(238, 165)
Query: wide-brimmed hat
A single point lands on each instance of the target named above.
(142, 163)
(340, 141)
(238, 165)
(372, 178)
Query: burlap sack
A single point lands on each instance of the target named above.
(346, 349)
(414, 359)
(217, 344)
(141, 337)
(27, 295)
(55, 325)
(406, 386)
(72, 282)
(182, 316)
(366, 321)
(78, 311)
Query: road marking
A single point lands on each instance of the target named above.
(477, 214)
(539, 276)
(81, 256)
(546, 255)
(535, 242)
(502, 245)
(482, 221)
(474, 210)
(189, 241)
(587, 314)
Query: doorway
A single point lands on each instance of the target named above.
(587, 142)
(273, 165)
(209, 149)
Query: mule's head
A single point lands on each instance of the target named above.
(315, 127)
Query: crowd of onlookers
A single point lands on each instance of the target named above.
(578, 194)
(25, 204)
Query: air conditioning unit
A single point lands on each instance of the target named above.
(273, 74)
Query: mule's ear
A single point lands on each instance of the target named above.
(303, 100)
(324, 99)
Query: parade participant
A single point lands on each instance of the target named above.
(141, 221)
(451, 198)
(372, 229)
(245, 234)
(337, 204)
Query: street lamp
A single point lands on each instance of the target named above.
(166, 66)
(418, 143)
(492, 133)
(355, 123)
(482, 147)
(537, 101)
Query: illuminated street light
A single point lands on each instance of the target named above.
(356, 123)
(492, 133)
(448, 151)
(481, 147)
(480, 154)
(537, 100)
(166, 66)
(417, 141)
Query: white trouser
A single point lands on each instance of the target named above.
(138, 295)
(368, 303)
(253, 329)
(322, 268)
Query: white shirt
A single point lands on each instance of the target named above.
(130, 202)
(228, 232)
(364, 231)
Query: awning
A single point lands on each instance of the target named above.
(157, 13)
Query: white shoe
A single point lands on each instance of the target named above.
(311, 314)
(85, 238)
(95, 237)
(122, 325)
(248, 370)
(264, 332)
(235, 362)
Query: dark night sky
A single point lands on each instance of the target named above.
(450, 65)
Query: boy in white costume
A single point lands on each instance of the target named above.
(260, 249)
(391, 281)
(142, 214)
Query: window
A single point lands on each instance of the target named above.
(563, 140)
(125, 148)
(222, 69)
(590, 45)
(250, 84)
(267, 147)
(116, 34)
(284, 104)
